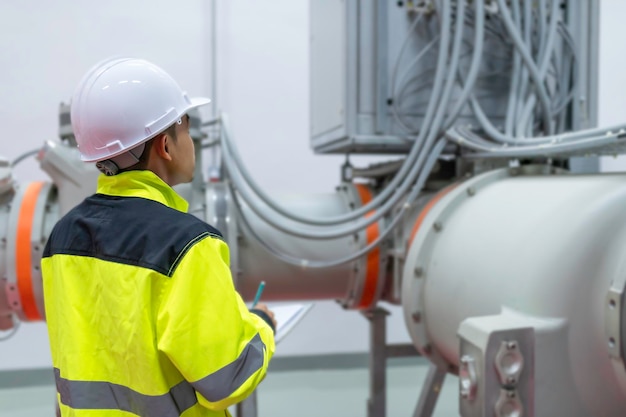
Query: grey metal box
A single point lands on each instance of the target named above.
(354, 67)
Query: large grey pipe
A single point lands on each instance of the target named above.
(357, 284)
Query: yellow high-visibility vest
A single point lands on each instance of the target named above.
(142, 313)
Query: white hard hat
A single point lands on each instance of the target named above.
(121, 103)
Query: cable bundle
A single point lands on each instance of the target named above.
(540, 68)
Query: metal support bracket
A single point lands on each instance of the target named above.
(377, 402)
(248, 407)
(379, 353)
(430, 392)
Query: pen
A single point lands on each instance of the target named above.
(257, 297)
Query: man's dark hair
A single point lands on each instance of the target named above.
(143, 159)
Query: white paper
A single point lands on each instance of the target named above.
(287, 316)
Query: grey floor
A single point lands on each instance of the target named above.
(287, 391)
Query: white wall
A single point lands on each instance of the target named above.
(612, 75)
(262, 84)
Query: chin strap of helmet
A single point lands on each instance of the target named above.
(112, 166)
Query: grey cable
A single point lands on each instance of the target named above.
(568, 71)
(452, 69)
(513, 85)
(544, 61)
(402, 48)
(437, 124)
(305, 263)
(409, 164)
(491, 131)
(522, 22)
(495, 133)
(542, 25)
(530, 65)
(395, 99)
(472, 75)
(351, 228)
(24, 156)
(590, 139)
(233, 172)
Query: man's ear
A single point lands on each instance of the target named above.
(161, 146)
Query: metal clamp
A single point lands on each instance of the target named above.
(468, 379)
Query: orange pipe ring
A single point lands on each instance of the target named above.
(426, 210)
(372, 268)
(23, 251)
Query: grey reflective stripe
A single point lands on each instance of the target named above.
(221, 384)
(96, 395)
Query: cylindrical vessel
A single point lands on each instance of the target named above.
(544, 245)
(356, 284)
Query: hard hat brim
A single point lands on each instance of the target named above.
(199, 101)
(195, 102)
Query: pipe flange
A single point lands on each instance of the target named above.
(366, 285)
(220, 213)
(615, 327)
(31, 219)
(430, 223)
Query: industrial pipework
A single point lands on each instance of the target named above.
(510, 268)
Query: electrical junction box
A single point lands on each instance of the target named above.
(372, 66)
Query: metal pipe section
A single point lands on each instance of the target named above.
(28, 213)
(28, 218)
(507, 252)
(357, 284)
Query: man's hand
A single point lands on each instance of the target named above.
(270, 313)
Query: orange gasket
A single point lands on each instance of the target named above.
(426, 210)
(23, 251)
(372, 268)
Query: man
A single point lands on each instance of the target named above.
(142, 313)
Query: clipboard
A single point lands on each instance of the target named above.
(287, 317)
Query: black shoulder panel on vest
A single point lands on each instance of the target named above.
(128, 230)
